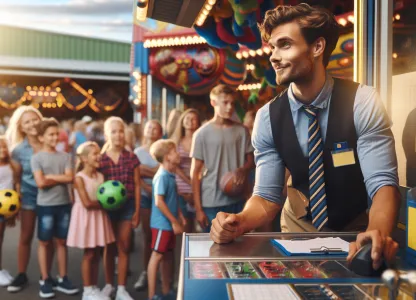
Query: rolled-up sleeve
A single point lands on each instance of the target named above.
(270, 170)
(375, 145)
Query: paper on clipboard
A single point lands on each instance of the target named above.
(304, 246)
(240, 291)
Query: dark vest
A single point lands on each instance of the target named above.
(345, 188)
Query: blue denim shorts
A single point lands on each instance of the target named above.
(53, 221)
(2, 219)
(211, 212)
(123, 214)
(28, 202)
(145, 202)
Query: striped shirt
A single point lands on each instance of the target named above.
(185, 166)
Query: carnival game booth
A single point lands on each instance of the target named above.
(223, 46)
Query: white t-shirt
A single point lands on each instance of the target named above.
(6, 178)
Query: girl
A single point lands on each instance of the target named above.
(8, 181)
(90, 228)
(22, 138)
(188, 123)
(152, 132)
(119, 164)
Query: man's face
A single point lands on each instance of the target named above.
(224, 105)
(291, 57)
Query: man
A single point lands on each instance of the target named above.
(333, 136)
(220, 146)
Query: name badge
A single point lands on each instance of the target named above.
(342, 155)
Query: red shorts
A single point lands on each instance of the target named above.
(162, 240)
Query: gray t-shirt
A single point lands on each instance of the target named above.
(222, 150)
(52, 163)
(145, 159)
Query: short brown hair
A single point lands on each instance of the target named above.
(314, 22)
(161, 148)
(221, 89)
(44, 124)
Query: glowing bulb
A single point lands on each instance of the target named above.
(342, 21)
(397, 17)
(395, 55)
(351, 18)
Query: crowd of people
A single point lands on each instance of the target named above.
(171, 176)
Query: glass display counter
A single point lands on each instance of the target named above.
(252, 267)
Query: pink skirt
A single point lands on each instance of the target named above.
(89, 228)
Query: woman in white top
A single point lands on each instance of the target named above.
(7, 182)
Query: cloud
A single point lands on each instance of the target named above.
(73, 7)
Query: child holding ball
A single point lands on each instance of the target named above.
(119, 164)
(8, 181)
(166, 219)
(90, 228)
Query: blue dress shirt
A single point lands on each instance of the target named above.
(375, 146)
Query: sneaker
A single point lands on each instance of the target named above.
(46, 290)
(141, 283)
(108, 290)
(18, 283)
(171, 295)
(53, 281)
(100, 294)
(5, 278)
(94, 294)
(65, 286)
(122, 294)
(156, 297)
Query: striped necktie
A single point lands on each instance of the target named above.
(317, 194)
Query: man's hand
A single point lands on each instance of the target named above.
(202, 219)
(177, 228)
(240, 176)
(225, 228)
(135, 220)
(382, 247)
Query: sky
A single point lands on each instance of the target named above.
(108, 19)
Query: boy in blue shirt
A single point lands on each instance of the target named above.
(166, 219)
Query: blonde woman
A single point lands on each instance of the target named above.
(119, 164)
(22, 137)
(188, 123)
(148, 168)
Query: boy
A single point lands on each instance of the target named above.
(53, 172)
(220, 146)
(166, 219)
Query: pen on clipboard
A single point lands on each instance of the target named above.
(326, 250)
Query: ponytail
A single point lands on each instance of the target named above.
(79, 164)
(105, 147)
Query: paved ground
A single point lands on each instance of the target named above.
(75, 256)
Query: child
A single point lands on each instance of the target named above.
(119, 164)
(188, 123)
(8, 181)
(220, 146)
(90, 228)
(152, 132)
(53, 173)
(22, 138)
(166, 218)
